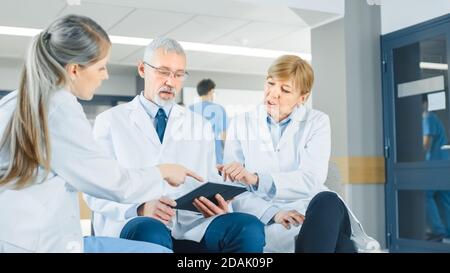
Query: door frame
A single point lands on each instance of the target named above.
(408, 175)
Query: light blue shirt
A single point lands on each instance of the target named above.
(277, 129)
(152, 108)
(99, 244)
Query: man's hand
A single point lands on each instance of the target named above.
(288, 218)
(175, 174)
(160, 209)
(208, 208)
(236, 172)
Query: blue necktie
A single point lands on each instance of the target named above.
(161, 123)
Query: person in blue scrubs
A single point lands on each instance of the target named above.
(213, 112)
(437, 202)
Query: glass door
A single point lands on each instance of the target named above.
(416, 136)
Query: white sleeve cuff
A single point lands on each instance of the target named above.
(265, 186)
(131, 211)
(269, 214)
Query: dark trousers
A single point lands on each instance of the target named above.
(231, 233)
(326, 228)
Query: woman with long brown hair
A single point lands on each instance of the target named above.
(47, 151)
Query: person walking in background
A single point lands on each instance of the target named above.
(437, 202)
(213, 112)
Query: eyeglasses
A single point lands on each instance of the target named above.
(163, 72)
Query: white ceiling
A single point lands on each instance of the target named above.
(268, 24)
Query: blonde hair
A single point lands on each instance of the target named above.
(69, 39)
(291, 67)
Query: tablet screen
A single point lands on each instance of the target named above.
(209, 190)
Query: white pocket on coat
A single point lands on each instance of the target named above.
(22, 219)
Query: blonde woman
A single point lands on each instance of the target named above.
(281, 151)
(47, 151)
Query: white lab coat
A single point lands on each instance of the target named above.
(128, 134)
(44, 217)
(297, 166)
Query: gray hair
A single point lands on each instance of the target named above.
(71, 39)
(167, 44)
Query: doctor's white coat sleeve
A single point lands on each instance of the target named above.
(247, 202)
(80, 161)
(110, 209)
(309, 177)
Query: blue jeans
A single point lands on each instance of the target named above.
(326, 228)
(439, 224)
(231, 233)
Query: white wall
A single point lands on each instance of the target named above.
(398, 14)
(122, 80)
(367, 202)
(9, 74)
(233, 100)
(345, 56)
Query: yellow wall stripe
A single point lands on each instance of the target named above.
(361, 169)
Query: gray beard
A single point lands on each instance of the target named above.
(162, 102)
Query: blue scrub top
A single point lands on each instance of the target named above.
(217, 116)
(432, 126)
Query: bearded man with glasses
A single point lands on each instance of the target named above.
(151, 130)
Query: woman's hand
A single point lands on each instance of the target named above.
(236, 172)
(288, 218)
(175, 174)
(208, 208)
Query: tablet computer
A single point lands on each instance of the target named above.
(209, 190)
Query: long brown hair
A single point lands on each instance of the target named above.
(26, 139)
